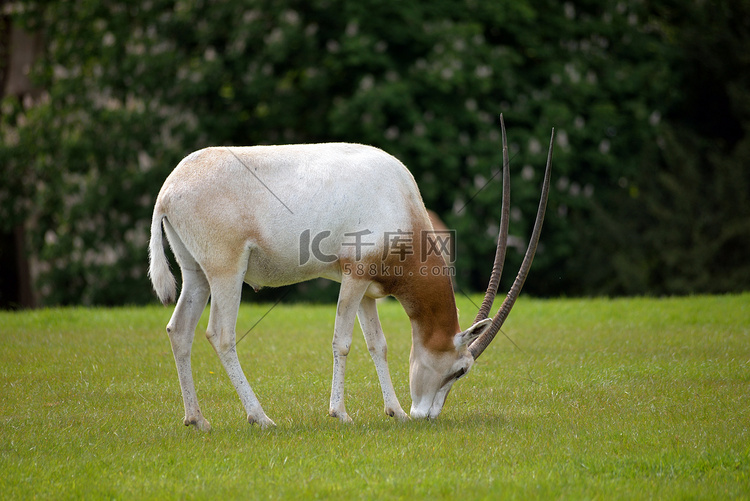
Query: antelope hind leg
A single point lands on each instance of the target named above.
(225, 303)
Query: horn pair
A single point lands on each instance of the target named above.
(481, 343)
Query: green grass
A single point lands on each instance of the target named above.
(602, 399)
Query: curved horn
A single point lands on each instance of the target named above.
(502, 236)
(479, 345)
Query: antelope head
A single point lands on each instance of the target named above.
(433, 372)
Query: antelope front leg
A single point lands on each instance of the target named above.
(351, 294)
(376, 343)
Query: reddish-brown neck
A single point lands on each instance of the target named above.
(429, 301)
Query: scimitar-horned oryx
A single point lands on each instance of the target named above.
(279, 215)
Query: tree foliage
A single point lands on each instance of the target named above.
(690, 213)
(131, 87)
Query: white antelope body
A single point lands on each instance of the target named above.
(279, 215)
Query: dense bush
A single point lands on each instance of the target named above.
(645, 198)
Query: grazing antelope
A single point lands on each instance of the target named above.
(279, 215)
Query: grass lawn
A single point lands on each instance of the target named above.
(600, 399)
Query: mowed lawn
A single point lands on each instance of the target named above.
(592, 399)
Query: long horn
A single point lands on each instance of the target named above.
(479, 345)
(502, 236)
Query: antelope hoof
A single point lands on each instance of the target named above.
(342, 416)
(263, 420)
(199, 422)
(398, 414)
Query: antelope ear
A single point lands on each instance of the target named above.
(463, 339)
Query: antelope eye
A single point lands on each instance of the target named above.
(453, 377)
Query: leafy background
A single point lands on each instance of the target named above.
(649, 100)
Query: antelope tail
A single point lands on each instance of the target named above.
(158, 270)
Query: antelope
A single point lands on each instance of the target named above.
(277, 215)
